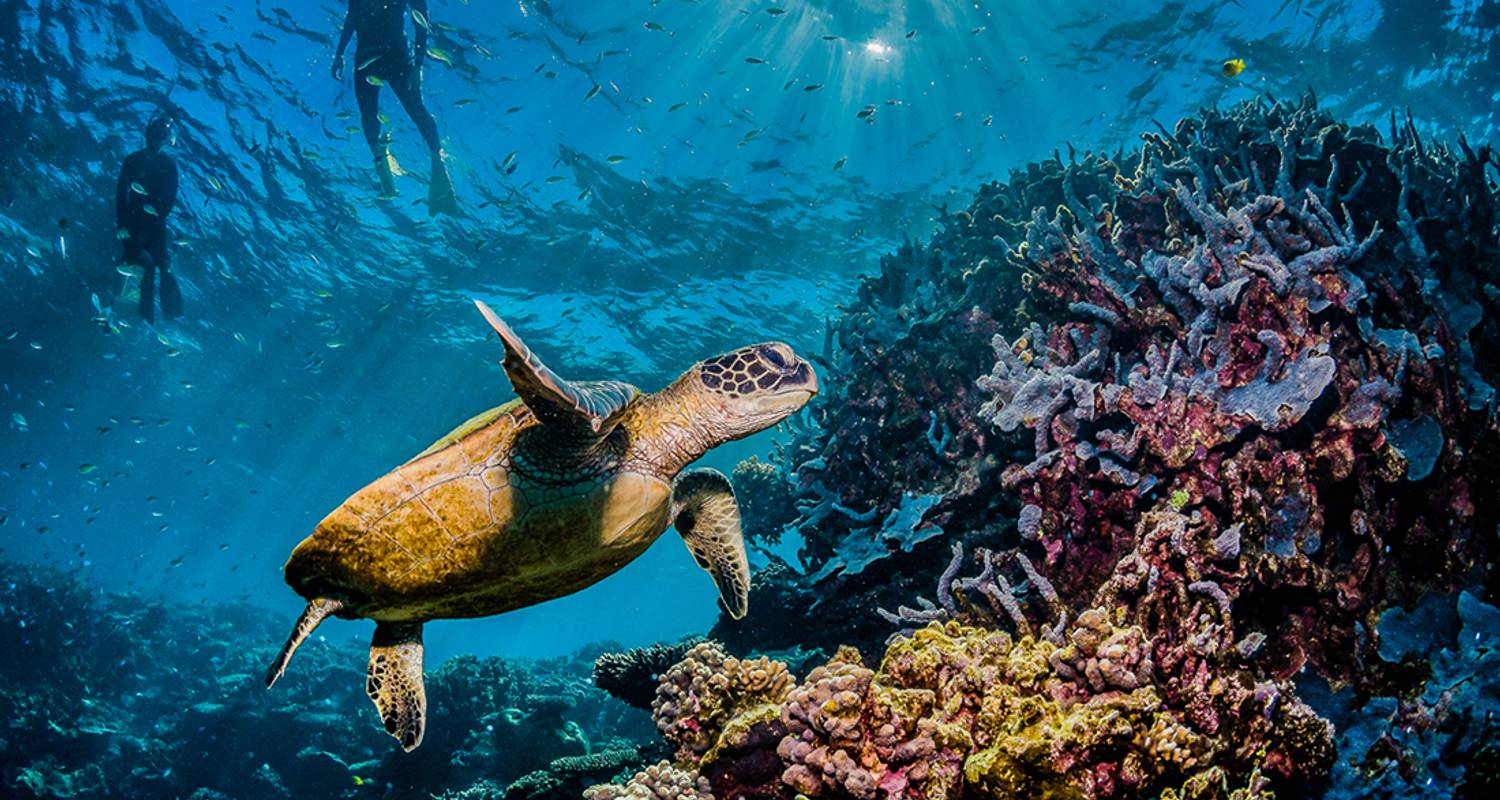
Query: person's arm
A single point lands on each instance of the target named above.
(421, 31)
(344, 36)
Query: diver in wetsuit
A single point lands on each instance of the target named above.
(383, 55)
(144, 197)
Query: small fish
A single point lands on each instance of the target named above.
(615, 159)
(1232, 68)
(461, 103)
(19, 419)
(812, 87)
(374, 81)
(592, 91)
(753, 60)
(439, 54)
(555, 179)
(839, 165)
(32, 251)
(653, 26)
(137, 188)
(421, 19)
(366, 63)
(84, 469)
(775, 11)
(676, 106)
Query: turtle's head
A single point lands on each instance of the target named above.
(755, 387)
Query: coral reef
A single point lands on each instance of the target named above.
(700, 698)
(1439, 739)
(1237, 406)
(632, 675)
(146, 700)
(658, 782)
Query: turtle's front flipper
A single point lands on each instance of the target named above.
(317, 610)
(588, 405)
(395, 680)
(704, 512)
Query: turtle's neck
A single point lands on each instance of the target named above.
(673, 427)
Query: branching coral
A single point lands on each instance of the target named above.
(632, 676)
(1260, 365)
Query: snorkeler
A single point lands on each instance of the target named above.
(144, 197)
(382, 58)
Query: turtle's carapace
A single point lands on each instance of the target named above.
(537, 499)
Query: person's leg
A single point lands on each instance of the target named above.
(171, 293)
(147, 264)
(408, 89)
(367, 96)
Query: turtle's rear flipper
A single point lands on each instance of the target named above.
(395, 680)
(317, 610)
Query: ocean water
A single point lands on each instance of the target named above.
(639, 187)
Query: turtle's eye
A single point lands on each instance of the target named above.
(776, 356)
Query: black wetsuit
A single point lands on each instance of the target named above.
(380, 26)
(144, 196)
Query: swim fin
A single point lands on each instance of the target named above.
(387, 175)
(440, 196)
(171, 296)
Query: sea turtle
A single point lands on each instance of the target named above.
(534, 500)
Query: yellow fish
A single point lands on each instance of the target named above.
(1232, 68)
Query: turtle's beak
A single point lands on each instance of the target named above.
(802, 379)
